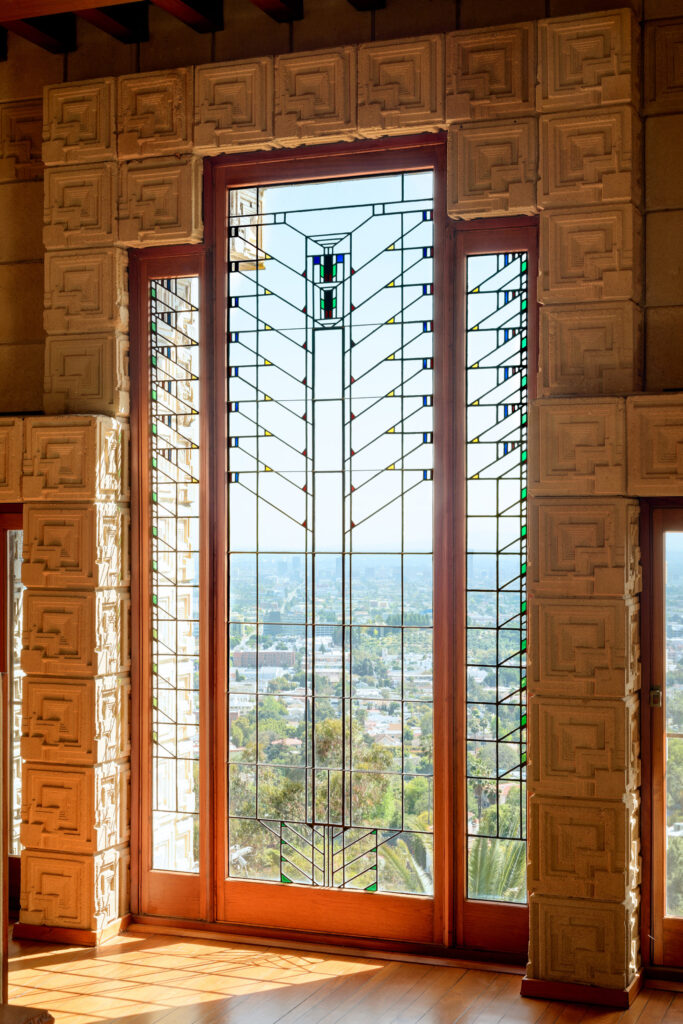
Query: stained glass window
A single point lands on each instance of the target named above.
(175, 468)
(496, 374)
(330, 533)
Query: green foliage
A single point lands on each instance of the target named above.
(496, 870)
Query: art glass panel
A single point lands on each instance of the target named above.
(496, 379)
(175, 584)
(330, 470)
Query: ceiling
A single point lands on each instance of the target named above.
(51, 24)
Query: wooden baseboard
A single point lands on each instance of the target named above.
(144, 925)
(70, 936)
(24, 1015)
(568, 992)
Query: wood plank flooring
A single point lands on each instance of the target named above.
(157, 979)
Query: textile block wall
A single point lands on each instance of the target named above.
(76, 656)
(543, 117)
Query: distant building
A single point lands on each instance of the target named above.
(279, 659)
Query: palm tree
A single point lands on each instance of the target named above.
(407, 873)
(497, 870)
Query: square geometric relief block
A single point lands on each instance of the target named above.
(160, 201)
(76, 633)
(71, 545)
(491, 73)
(589, 648)
(11, 449)
(315, 96)
(80, 206)
(84, 891)
(87, 374)
(78, 124)
(655, 445)
(155, 113)
(590, 157)
(584, 749)
(233, 106)
(85, 291)
(492, 168)
(588, 60)
(75, 458)
(584, 547)
(21, 133)
(590, 253)
(584, 941)
(401, 85)
(75, 809)
(590, 349)
(75, 721)
(578, 446)
(584, 849)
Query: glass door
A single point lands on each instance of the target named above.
(330, 520)
(329, 784)
(666, 711)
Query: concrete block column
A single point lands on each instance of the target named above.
(75, 743)
(584, 571)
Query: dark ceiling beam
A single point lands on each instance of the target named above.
(368, 5)
(282, 10)
(55, 33)
(3, 44)
(201, 15)
(128, 23)
(19, 10)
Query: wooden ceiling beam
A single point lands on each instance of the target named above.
(282, 10)
(201, 15)
(20, 10)
(368, 5)
(129, 23)
(55, 33)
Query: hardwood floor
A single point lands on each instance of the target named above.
(143, 979)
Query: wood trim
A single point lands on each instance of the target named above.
(482, 924)
(71, 936)
(379, 916)
(670, 978)
(11, 10)
(6, 757)
(666, 932)
(646, 834)
(445, 597)
(338, 160)
(456, 923)
(568, 992)
(406, 952)
(11, 518)
(160, 891)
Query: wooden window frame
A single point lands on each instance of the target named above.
(460, 924)
(151, 890)
(11, 518)
(661, 936)
(478, 920)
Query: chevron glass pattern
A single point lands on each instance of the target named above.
(330, 471)
(174, 419)
(496, 379)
